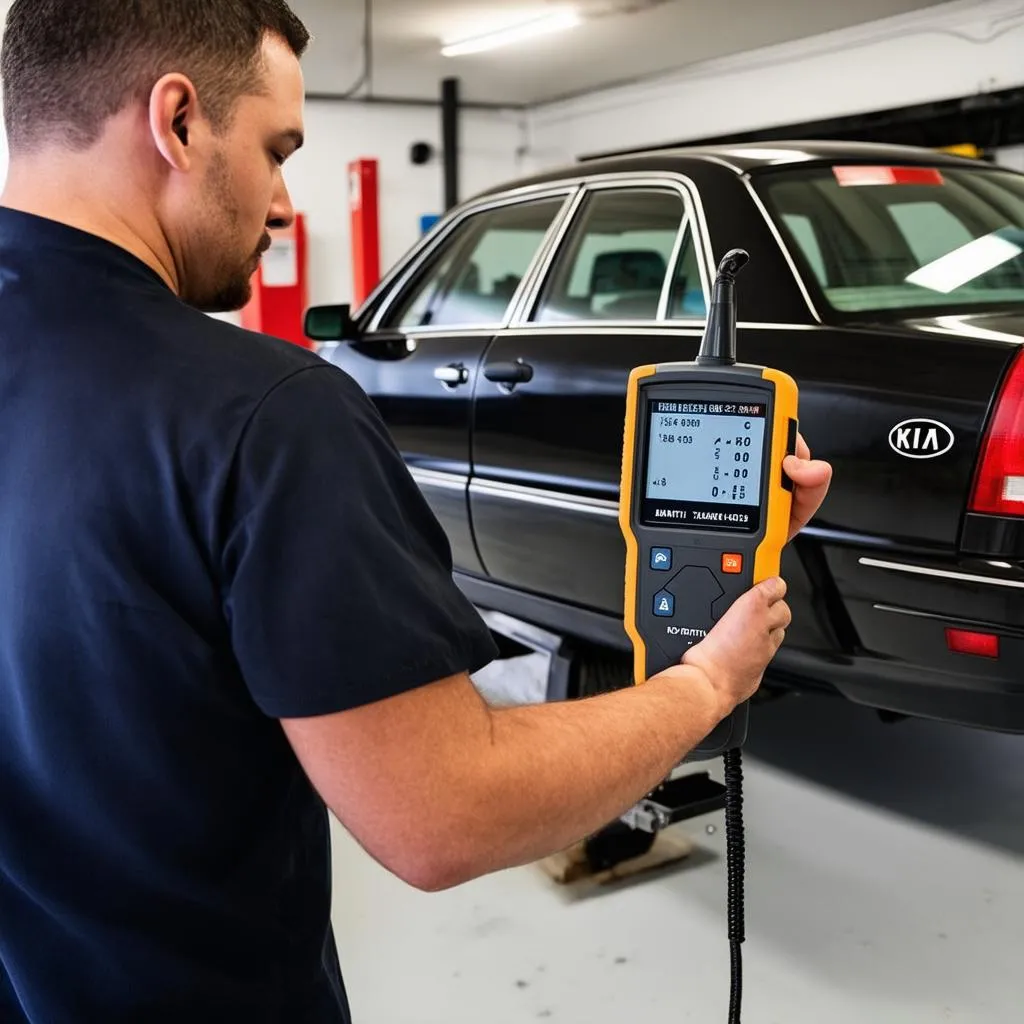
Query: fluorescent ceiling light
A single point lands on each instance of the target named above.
(557, 22)
(956, 268)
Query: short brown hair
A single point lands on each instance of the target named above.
(70, 65)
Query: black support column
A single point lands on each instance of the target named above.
(450, 140)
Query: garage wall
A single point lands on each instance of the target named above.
(1010, 156)
(337, 133)
(941, 53)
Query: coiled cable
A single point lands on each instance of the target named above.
(736, 858)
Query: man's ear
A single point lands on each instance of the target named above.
(173, 109)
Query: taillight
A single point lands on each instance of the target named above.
(999, 483)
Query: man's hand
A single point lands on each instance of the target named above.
(811, 479)
(738, 650)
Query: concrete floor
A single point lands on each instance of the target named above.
(885, 884)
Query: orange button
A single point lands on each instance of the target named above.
(732, 564)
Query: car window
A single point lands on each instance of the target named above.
(930, 229)
(473, 276)
(616, 259)
(934, 239)
(687, 300)
(802, 229)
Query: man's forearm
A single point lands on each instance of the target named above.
(554, 773)
(442, 789)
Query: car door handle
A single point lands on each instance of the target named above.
(452, 376)
(509, 374)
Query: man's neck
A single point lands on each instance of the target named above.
(36, 186)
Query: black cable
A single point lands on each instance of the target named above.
(368, 43)
(736, 857)
(366, 76)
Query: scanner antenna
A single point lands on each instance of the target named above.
(719, 345)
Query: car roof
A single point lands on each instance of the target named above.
(745, 157)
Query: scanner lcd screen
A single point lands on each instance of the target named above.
(704, 465)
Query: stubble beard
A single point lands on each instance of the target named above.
(225, 279)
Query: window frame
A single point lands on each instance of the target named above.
(573, 189)
(691, 221)
(405, 279)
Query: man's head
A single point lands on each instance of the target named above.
(198, 102)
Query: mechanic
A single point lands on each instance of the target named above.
(223, 602)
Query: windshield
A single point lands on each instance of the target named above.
(940, 239)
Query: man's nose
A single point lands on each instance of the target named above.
(282, 213)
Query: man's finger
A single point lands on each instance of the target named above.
(774, 589)
(806, 473)
(812, 480)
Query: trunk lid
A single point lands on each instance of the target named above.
(900, 410)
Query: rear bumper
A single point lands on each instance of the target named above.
(961, 699)
(900, 609)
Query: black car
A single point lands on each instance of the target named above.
(888, 281)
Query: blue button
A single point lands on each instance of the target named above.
(661, 559)
(664, 605)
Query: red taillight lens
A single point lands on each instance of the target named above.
(999, 485)
(964, 641)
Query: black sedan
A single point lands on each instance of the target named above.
(889, 282)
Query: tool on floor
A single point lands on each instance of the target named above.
(705, 510)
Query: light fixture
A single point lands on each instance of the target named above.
(558, 21)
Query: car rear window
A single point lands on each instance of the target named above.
(878, 238)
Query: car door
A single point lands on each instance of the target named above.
(419, 358)
(547, 450)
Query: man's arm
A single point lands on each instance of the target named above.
(441, 789)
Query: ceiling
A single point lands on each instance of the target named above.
(620, 40)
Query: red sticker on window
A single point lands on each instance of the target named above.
(864, 175)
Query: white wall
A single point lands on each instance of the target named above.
(1011, 156)
(339, 133)
(942, 52)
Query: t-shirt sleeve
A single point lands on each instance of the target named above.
(338, 585)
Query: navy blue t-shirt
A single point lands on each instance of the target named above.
(202, 530)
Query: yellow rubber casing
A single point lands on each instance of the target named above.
(625, 508)
(768, 560)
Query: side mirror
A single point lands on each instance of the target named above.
(331, 323)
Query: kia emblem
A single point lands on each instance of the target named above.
(921, 439)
